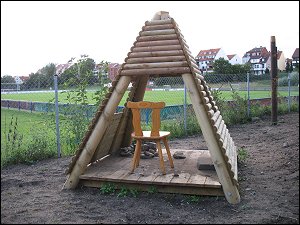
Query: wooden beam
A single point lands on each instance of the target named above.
(156, 43)
(157, 32)
(155, 54)
(155, 65)
(97, 133)
(156, 48)
(157, 37)
(229, 188)
(156, 71)
(179, 58)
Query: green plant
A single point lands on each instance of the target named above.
(152, 190)
(193, 198)
(123, 192)
(242, 155)
(107, 188)
(134, 192)
(13, 140)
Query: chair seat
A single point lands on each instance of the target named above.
(147, 135)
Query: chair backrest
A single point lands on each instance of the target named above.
(136, 114)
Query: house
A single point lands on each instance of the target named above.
(113, 69)
(60, 68)
(281, 61)
(234, 59)
(295, 58)
(205, 58)
(258, 58)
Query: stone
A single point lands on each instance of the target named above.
(179, 155)
(205, 163)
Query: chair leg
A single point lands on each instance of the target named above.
(161, 159)
(168, 152)
(135, 155)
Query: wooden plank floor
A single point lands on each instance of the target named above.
(185, 178)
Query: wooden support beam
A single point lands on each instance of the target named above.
(179, 58)
(156, 48)
(229, 188)
(157, 37)
(156, 71)
(156, 43)
(157, 32)
(155, 54)
(97, 133)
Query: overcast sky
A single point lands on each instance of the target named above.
(34, 33)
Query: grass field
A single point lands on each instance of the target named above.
(170, 97)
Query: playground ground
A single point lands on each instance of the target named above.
(269, 187)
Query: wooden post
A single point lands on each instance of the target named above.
(230, 190)
(97, 133)
(274, 78)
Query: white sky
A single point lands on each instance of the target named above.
(34, 34)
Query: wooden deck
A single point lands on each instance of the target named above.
(185, 178)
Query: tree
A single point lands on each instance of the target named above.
(222, 66)
(7, 79)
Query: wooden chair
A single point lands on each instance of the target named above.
(154, 134)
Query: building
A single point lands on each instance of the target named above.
(206, 58)
(60, 68)
(113, 69)
(295, 58)
(281, 61)
(258, 58)
(234, 59)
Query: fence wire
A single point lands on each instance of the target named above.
(78, 99)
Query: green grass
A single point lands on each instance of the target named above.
(170, 97)
(25, 119)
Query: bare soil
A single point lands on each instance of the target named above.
(269, 187)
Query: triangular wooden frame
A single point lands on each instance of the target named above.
(159, 50)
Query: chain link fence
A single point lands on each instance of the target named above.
(76, 100)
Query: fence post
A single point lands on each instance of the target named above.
(57, 116)
(248, 95)
(289, 90)
(184, 111)
(274, 77)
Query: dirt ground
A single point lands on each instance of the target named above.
(269, 187)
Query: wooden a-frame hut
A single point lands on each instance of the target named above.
(159, 50)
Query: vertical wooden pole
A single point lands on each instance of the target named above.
(274, 77)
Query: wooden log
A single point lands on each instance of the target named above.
(157, 32)
(208, 106)
(157, 37)
(155, 65)
(179, 58)
(97, 133)
(156, 48)
(158, 27)
(230, 190)
(217, 122)
(156, 43)
(156, 71)
(220, 129)
(158, 22)
(215, 117)
(206, 100)
(155, 54)
(222, 136)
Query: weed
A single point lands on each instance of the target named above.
(134, 192)
(107, 188)
(242, 154)
(123, 192)
(193, 198)
(152, 190)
